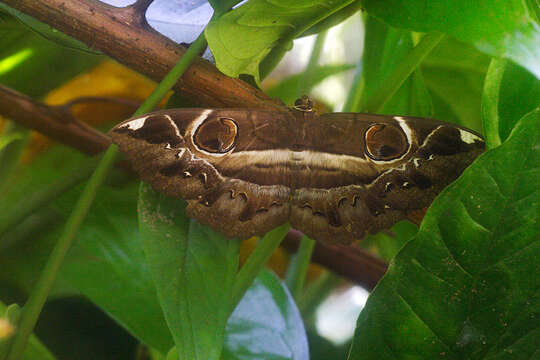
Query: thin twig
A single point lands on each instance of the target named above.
(54, 122)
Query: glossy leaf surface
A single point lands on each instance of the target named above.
(467, 285)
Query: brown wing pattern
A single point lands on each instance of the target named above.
(335, 177)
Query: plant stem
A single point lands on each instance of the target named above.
(172, 77)
(296, 273)
(354, 97)
(402, 72)
(311, 67)
(255, 262)
(490, 102)
(39, 294)
(316, 293)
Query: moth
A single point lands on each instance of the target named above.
(335, 176)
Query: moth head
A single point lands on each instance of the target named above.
(304, 104)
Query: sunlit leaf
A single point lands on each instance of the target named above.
(496, 27)
(242, 38)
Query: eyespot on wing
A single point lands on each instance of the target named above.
(216, 135)
(385, 142)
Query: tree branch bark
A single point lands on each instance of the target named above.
(124, 35)
(55, 122)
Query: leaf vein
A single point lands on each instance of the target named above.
(423, 321)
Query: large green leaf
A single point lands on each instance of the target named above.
(519, 94)
(266, 324)
(107, 264)
(468, 285)
(242, 38)
(496, 27)
(193, 268)
(26, 259)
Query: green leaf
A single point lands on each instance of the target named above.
(467, 286)
(452, 69)
(496, 27)
(266, 324)
(34, 66)
(107, 264)
(286, 90)
(193, 269)
(25, 260)
(519, 94)
(490, 102)
(385, 49)
(6, 139)
(242, 38)
(388, 243)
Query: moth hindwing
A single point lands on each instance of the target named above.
(334, 176)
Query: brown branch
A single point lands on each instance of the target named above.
(349, 261)
(55, 122)
(122, 33)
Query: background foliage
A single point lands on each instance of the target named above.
(464, 287)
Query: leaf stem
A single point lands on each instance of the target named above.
(311, 67)
(490, 102)
(41, 290)
(296, 273)
(40, 293)
(316, 292)
(402, 72)
(255, 262)
(354, 97)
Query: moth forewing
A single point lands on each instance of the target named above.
(335, 177)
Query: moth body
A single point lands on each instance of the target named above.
(334, 176)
